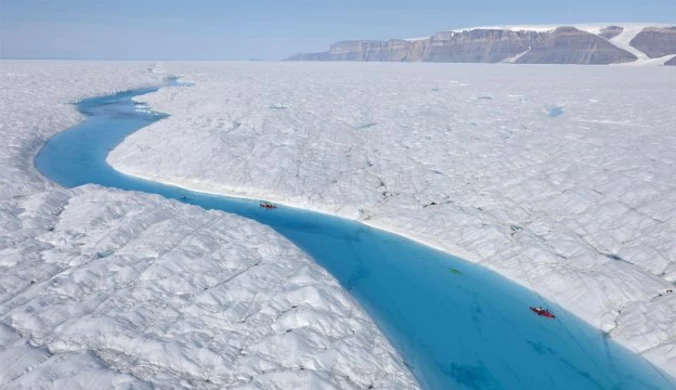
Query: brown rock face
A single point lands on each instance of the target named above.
(655, 41)
(479, 45)
(568, 45)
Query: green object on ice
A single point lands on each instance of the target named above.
(455, 271)
(106, 253)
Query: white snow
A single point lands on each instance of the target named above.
(514, 59)
(580, 207)
(623, 40)
(173, 296)
(592, 28)
(657, 61)
(110, 289)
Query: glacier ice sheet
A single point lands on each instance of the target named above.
(104, 288)
(577, 206)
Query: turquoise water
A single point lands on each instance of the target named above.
(472, 330)
(556, 111)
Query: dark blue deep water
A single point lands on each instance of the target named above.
(468, 330)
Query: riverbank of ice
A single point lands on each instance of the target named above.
(578, 206)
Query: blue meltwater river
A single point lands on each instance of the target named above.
(456, 325)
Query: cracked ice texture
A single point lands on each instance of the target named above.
(559, 177)
(110, 289)
(144, 291)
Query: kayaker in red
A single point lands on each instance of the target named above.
(542, 312)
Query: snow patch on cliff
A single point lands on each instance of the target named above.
(623, 41)
(514, 59)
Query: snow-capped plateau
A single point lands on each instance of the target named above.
(592, 28)
(109, 289)
(597, 43)
(558, 178)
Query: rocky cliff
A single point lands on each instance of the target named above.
(480, 45)
(582, 44)
(656, 42)
(392, 50)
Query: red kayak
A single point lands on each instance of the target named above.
(543, 312)
(267, 205)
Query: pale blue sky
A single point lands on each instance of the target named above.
(269, 29)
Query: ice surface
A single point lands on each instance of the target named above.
(109, 289)
(578, 206)
(187, 298)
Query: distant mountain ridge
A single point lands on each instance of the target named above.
(606, 43)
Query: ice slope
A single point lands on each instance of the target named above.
(144, 290)
(108, 289)
(560, 178)
(623, 41)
